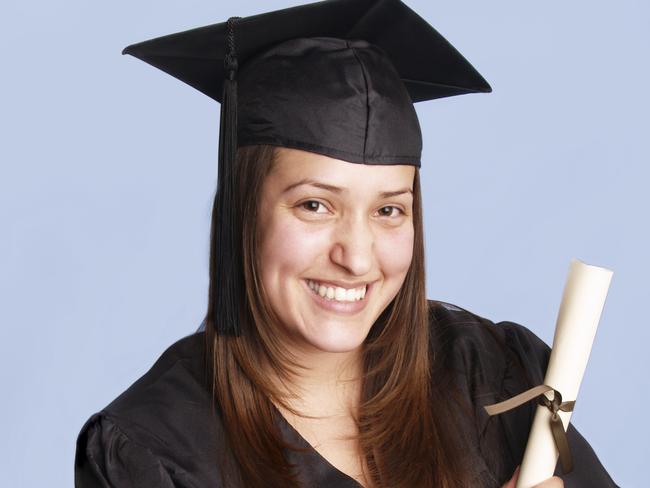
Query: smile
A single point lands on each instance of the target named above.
(343, 304)
(336, 292)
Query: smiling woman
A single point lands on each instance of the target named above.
(305, 353)
(321, 362)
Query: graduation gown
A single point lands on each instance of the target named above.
(161, 431)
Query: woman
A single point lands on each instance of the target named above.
(321, 362)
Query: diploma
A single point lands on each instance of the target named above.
(582, 304)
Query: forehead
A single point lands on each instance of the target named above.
(293, 165)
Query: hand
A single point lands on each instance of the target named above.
(553, 482)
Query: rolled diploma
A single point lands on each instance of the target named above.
(582, 304)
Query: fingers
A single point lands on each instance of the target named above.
(553, 482)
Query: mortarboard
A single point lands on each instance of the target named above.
(336, 77)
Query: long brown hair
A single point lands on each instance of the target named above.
(406, 422)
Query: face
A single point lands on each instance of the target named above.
(330, 231)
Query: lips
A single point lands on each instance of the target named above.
(337, 306)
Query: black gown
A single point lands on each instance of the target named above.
(161, 431)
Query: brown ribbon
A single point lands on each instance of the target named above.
(557, 427)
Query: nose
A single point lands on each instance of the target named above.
(353, 246)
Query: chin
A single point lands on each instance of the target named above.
(338, 348)
(335, 341)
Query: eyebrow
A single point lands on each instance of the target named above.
(338, 190)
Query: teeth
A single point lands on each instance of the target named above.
(337, 293)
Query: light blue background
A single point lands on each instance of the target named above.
(108, 168)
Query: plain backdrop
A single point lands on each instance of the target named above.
(108, 170)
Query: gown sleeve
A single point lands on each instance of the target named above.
(106, 457)
(526, 364)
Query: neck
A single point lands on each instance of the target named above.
(327, 382)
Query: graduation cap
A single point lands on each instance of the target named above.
(336, 77)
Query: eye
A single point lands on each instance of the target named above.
(311, 206)
(390, 209)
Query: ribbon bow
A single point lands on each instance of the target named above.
(554, 405)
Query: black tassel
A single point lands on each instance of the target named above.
(228, 287)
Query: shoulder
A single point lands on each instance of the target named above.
(468, 325)
(177, 378)
(107, 456)
(160, 429)
(483, 351)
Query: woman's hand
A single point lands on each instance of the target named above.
(553, 482)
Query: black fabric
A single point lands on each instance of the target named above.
(331, 96)
(162, 432)
(337, 77)
(495, 362)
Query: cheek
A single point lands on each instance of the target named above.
(290, 245)
(394, 251)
